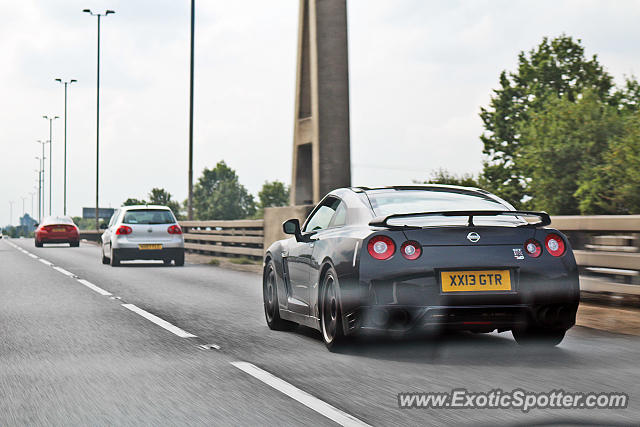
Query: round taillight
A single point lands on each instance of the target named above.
(411, 250)
(554, 244)
(123, 229)
(533, 248)
(174, 229)
(381, 247)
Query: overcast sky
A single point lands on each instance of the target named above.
(419, 72)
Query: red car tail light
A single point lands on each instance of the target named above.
(381, 247)
(123, 229)
(554, 244)
(174, 229)
(533, 248)
(411, 250)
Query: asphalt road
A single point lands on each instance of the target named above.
(71, 355)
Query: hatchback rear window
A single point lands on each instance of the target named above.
(148, 216)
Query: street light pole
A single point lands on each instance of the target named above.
(99, 15)
(32, 194)
(11, 213)
(51, 119)
(190, 198)
(41, 178)
(65, 140)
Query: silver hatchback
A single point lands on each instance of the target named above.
(144, 232)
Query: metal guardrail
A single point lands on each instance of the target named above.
(604, 245)
(225, 238)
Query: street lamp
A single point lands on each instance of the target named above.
(65, 139)
(51, 119)
(190, 197)
(32, 194)
(99, 15)
(41, 180)
(11, 212)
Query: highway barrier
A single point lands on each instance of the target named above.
(606, 246)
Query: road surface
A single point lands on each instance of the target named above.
(88, 344)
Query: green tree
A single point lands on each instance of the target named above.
(557, 67)
(562, 145)
(133, 201)
(273, 194)
(443, 176)
(219, 195)
(613, 186)
(160, 196)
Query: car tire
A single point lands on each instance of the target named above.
(114, 259)
(179, 260)
(270, 299)
(38, 244)
(167, 261)
(538, 336)
(330, 313)
(74, 244)
(105, 260)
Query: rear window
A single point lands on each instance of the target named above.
(389, 202)
(57, 220)
(148, 216)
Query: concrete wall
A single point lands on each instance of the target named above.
(274, 217)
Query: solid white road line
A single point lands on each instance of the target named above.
(94, 287)
(303, 397)
(158, 321)
(44, 261)
(63, 271)
(33, 256)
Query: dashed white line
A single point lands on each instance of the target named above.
(45, 262)
(301, 396)
(63, 271)
(94, 287)
(158, 321)
(33, 256)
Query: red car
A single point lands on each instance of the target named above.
(57, 230)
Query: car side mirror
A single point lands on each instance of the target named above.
(103, 226)
(292, 226)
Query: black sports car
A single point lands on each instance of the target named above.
(421, 257)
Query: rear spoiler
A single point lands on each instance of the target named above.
(382, 221)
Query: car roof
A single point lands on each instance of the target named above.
(150, 207)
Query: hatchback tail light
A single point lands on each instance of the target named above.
(554, 244)
(381, 247)
(174, 229)
(533, 248)
(123, 229)
(411, 250)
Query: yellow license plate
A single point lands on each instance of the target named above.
(475, 281)
(59, 230)
(149, 247)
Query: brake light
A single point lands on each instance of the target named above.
(533, 248)
(123, 229)
(554, 244)
(174, 229)
(411, 250)
(381, 247)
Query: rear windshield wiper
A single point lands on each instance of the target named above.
(383, 221)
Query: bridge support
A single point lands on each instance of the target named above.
(321, 146)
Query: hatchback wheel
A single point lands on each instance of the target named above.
(179, 260)
(38, 244)
(115, 259)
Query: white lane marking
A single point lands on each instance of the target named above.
(158, 321)
(301, 396)
(44, 261)
(63, 271)
(33, 256)
(94, 287)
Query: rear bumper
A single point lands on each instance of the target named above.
(480, 318)
(58, 239)
(125, 254)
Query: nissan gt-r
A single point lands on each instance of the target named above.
(402, 259)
